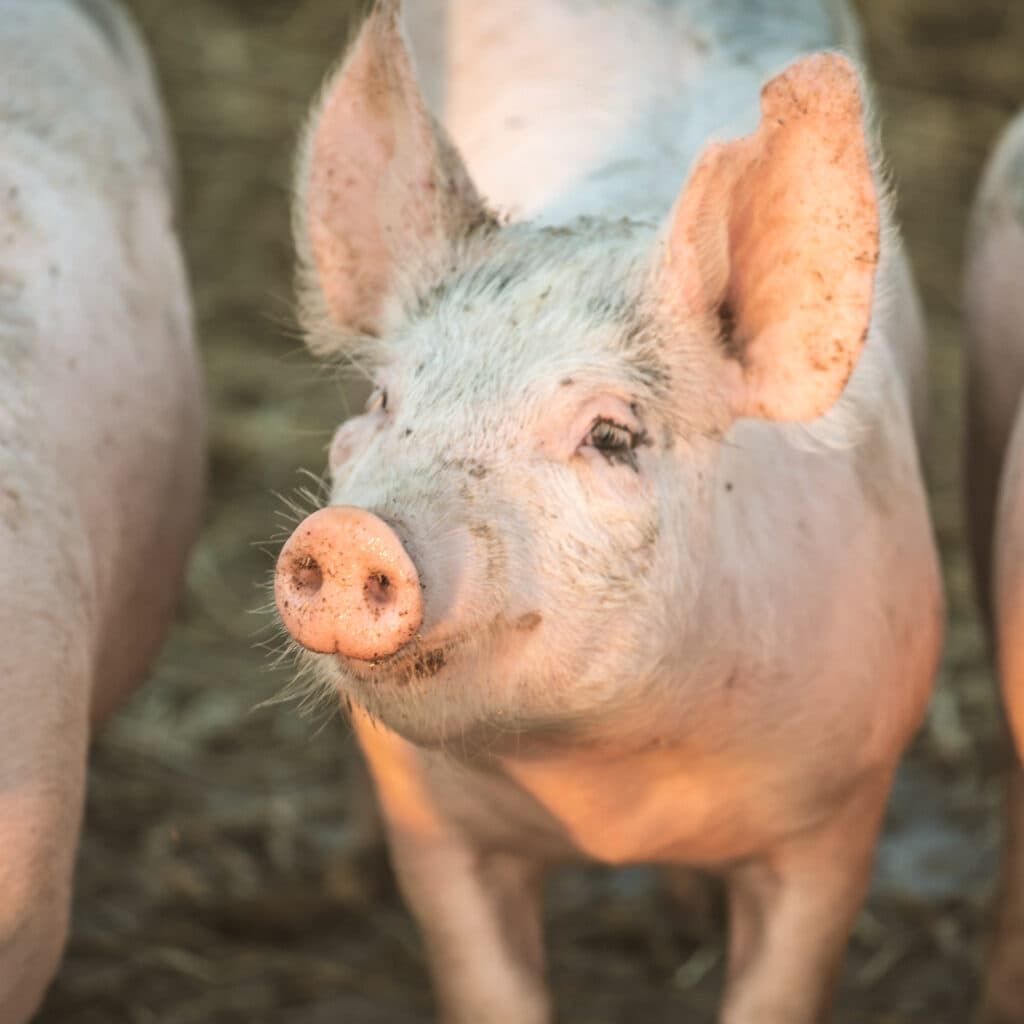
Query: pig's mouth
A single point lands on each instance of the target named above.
(438, 687)
(413, 663)
(420, 663)
(425, 657)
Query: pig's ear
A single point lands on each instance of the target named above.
(383, 198)
(776, 236)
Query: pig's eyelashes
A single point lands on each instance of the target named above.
(378, 401)
(609, 436)
(614, 441)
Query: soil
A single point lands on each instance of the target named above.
(214, 882)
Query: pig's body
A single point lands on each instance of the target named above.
(994, 307)
(100, 435)
(727, 681)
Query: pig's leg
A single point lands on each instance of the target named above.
(480, 916)
(368, 836)
(358, 869)
(791, 913)
(44, 729)
(479, 911)
(1003, 985)
(1003, 990)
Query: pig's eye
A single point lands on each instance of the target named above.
(378, 401)
(614, 441)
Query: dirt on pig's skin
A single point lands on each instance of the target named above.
(213, 883)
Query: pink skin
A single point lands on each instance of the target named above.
(994, 308)
(344, 585)
(100, 439)
(655, 468)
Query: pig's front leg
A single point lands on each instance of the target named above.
(480, 915)
(44, 731)
(1003, 989)
(791, 913)
(478, 910)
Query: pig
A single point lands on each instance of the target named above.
(994, 500)
(101, 435)
(628, 558)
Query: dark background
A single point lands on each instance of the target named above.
(213, 884)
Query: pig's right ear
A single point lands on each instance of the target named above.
(383, 199)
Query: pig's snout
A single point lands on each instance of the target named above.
(345, 585)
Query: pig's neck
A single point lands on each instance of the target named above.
(564, 108)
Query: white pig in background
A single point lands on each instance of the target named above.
(628, 558)
(100, 435)
(994, 309)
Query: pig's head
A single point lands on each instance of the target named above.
(518, 522)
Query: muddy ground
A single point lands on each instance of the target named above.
(212, 885)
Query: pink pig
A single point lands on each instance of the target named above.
(629, 557)
(994, 307)
(100, 435)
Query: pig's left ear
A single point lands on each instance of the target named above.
(383, 198)
(776, 237)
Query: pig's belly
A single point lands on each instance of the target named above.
(151, 578)
(152, 490)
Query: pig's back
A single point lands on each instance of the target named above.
(564, 108)
(99, 388)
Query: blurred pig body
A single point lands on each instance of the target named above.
(100, 435)
(994, 311)
(661, 620)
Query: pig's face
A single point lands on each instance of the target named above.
(532, 468)
(542, 460)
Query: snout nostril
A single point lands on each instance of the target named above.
(307, 577)
(378, 589)
(346, 585)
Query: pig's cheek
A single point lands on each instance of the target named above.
(345, 446)
(617, 482)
